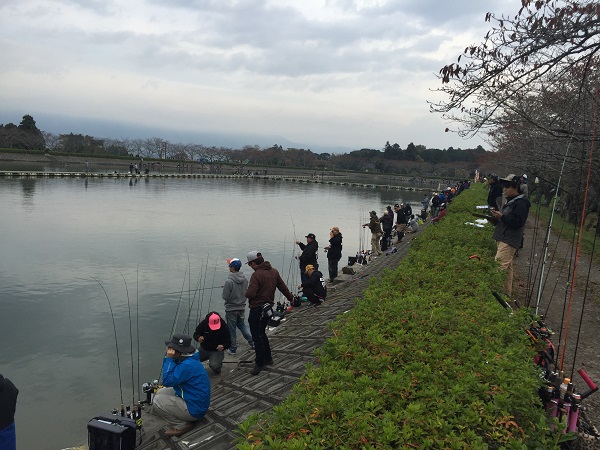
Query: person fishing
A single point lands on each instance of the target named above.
(8, 406)
(376, 233)
(214, 338)
(261, 293)
(235, 303)
(314, 288)
(510, 225)
(334, 252)
(309, 254)
(186, 396)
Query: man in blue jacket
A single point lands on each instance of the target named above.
(186, 396)
(510, 225)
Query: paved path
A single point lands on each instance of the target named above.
(236, 394)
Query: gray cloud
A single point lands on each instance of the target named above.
(346, 56)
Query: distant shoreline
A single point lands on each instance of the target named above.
(76, 163)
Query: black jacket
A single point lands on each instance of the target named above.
(315, 285)
(387, 223)
(335, 247)
(309, 254)
(511, 225)
(213, 338)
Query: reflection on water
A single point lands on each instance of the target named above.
(158, 248)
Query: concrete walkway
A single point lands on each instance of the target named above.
(236, 394)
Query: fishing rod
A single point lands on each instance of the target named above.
(137, 325)
(116, 340)
(187, 320)
(130, 339)
(581, 222)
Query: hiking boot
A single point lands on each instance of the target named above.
(256, 369)
(174, 432)
(217, 371)
(231, 352)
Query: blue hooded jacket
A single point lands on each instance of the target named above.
(188, 377)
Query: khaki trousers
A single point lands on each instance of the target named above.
(171, 408)
(505, 255)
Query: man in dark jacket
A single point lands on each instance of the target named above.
(8, 406)
(387, 223)
(314, 288)
(261, 292)
(510, 224)
(401, 220)
(334, 252)
(309, 254)
(494, 198)
(214, 338)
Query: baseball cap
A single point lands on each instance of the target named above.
(253, 255)
(214, 321)
(510, 178)
(310, 235)
(235, 263)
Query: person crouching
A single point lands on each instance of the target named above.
(314, 288)
(214, 338)
(182, 372)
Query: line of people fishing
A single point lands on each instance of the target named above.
(185, 396)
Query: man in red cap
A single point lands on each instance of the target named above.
(214, 338)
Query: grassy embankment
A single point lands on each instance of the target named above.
(426, 359)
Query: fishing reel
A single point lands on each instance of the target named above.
(149, 388)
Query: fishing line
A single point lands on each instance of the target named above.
(213, 283)
(116, 340)
(178, 303)
(191, 307)
(130, 339)
(587, 284)
(201, 305)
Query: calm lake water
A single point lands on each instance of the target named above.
(155, 245)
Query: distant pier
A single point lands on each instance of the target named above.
(296, 179)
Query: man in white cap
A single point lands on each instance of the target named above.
(186, 396)
(510, 225)
(261, 294)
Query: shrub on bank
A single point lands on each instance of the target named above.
(426, 359)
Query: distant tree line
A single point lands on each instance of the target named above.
(392, 159)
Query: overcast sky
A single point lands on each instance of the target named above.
(339, 74)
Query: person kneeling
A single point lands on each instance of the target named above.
(214, 338)
(182, 372)
(314, 288)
